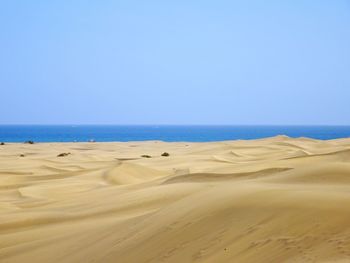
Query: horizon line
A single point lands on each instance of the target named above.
(133, 124)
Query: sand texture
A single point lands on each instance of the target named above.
(273, 200)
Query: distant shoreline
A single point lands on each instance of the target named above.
(283, 137)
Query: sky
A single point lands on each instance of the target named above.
(175, 62)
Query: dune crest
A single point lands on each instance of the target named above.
(277, 199)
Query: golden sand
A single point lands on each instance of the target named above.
(272, 200)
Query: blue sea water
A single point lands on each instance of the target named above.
(171, 133)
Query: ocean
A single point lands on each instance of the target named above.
(170, 133)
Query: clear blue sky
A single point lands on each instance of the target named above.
(175, 62)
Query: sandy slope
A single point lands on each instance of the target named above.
(272, 200)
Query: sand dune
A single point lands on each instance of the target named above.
(271, 200)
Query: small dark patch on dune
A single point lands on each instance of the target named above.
(63, 154)
(165, 154)
(146, 156)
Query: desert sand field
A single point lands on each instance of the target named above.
(272, 200)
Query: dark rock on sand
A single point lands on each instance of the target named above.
(63, 154)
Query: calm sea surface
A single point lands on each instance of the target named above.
(106, 133)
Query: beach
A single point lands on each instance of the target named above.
(277, 199)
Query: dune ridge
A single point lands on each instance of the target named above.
(277, 199)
